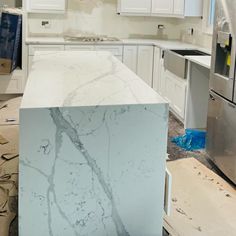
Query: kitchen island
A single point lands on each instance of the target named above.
(93, 142)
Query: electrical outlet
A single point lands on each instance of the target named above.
(190, 31)
(46, 24)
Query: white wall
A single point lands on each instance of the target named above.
(99, 17)
(199, 37)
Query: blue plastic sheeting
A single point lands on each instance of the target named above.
(192, 140)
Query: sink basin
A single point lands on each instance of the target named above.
(189, 52)
(175, 62)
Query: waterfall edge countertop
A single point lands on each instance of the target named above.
(66, 78)
(93, 149)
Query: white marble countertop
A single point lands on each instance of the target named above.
(72, 78)
(164, 44)
(204, 61)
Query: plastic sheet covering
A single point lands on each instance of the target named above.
(192, 140)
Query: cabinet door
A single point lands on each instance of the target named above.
(179, 7)
(162, 6)
(175, 93)
(79, 48)
(130, 57)
(145, 64)
(46, 5)
(157, 69)
(179, 97)
(135, 6)
(34, 48)
(169, 88)
(162, 78)
(116, 50)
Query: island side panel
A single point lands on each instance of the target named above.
(92, 171)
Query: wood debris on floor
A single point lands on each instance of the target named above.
(202, 202)
(9, 160)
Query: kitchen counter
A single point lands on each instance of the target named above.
(204, 61)
(90, 132)
(164, 44)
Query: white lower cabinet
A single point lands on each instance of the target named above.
(79, 48)
(116, 50)
(130, 57)
(157, 70)
(145, 64)
(35, 48)
(46, 6)
(175, 93)
(140, 60)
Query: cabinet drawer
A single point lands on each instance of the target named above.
(115, 50)
(34, 48)
(79, 48)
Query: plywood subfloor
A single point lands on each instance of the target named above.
(202, 202)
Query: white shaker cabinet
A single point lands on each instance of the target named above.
(135, 6)
(179, 7)
(130, 57)
(145, 64)
(175, 93)
(35, 48)
(79, 48)
(46, 6)
(162, 7)
(157, 69)
(168, 8)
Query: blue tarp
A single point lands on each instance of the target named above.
(192, 140)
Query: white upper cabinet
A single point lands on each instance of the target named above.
(179, 7)
(169, 8)
(46, 6)
(162, 6)
(135, 6)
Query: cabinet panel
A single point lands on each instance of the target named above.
(162, 7)
(175, 93)
(135, 6)
(179, 98)
(79, 48)
(130, 57)
(179, 6)
(157, 69)
(46, 5)
(115, 50)
(145, 64)
(34, 48)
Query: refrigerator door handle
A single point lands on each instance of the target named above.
(233, 60)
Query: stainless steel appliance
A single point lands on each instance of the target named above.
(175, 61)
(221, 127)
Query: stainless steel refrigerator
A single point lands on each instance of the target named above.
(221, 125)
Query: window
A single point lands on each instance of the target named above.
(211, 12)
(209, 15)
